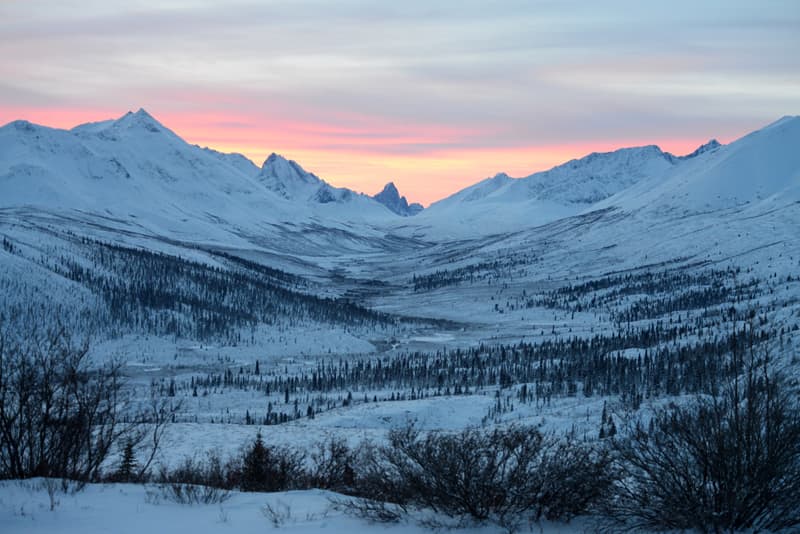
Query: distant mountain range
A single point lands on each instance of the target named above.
(135, 164)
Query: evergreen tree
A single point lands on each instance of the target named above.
(128, 465)
(254, 468)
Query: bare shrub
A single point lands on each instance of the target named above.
(194, 482)
(190, 494)
(721, 464)
(59, 417)
(332, 466)
(508, 476)
(277, 514)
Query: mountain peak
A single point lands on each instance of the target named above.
(21, 126)
(140, 119)
(276, 166)
(272, 158)
(390, 189)
(710, 146)
(390, 197)
(786, 119)
(287, 178)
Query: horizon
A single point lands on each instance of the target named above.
(430, 97)
(259, 162)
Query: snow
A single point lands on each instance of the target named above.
(127, 508)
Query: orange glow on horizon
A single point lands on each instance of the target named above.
(424, 161)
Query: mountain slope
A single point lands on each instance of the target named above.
(761, 168)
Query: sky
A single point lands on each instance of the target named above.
(432, 95)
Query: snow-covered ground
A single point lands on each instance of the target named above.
(126, 508)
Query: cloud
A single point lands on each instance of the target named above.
(411, 78)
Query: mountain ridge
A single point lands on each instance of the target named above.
(135, 165)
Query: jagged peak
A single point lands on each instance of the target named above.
(390, 197)
(273, 158)
(390, 189)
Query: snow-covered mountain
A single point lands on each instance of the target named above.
(135, 169)
(139, 172)
(580, 181)
(502, 202)
(289, 180)
(390, 197)
(762, 167)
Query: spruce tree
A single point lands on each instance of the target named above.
(254, 470)
(127, 466)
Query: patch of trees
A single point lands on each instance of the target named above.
(654, 293)
(665, 363)
(8, 246)
(160, 294)
(503, 268)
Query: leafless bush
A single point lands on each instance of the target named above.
(195, 482)
(211, 471)
(332, 466)
(58, 415)
(720, 464)
(278, 514)
(508, 476)
(182, 493)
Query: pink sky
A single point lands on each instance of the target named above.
(434, 95)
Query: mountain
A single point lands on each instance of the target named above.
(289, 180)
(390, 197)
(581, 181)
(502, 203)
(759, 169)
(139, 172)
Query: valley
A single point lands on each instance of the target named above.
(265, 301)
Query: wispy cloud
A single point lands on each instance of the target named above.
(397, 81)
